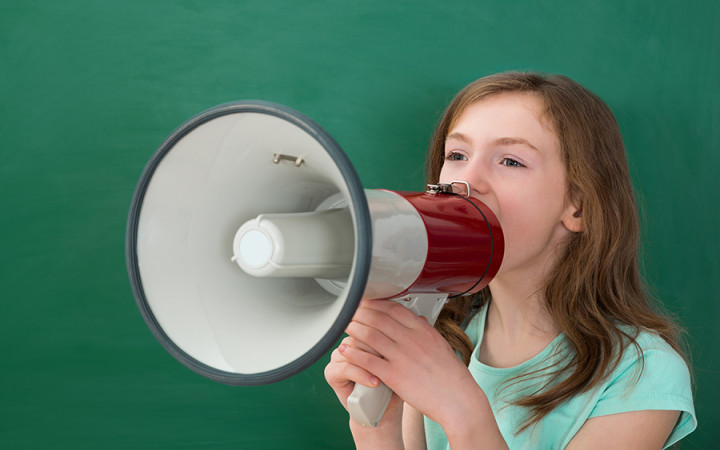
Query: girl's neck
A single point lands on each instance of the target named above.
(515, 314)
(517, 309)
(517, 325)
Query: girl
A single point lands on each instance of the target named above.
(563, 349)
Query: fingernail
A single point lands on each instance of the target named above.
(342, 348)
(374, 381)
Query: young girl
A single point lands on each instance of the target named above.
(563, 349)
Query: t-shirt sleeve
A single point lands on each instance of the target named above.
(659, 380)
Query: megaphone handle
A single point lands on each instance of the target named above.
(367, 405)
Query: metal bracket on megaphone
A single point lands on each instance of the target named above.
(297, 160)
(447, 188)
(367, 405)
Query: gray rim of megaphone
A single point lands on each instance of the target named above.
(363, 255)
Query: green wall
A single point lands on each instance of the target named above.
(89, 89)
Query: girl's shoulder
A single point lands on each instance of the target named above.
(648, 350)
(650, 375)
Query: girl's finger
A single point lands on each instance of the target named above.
(340, 372)
(370, 340)
(396, 310)
(353, 342)
(373, 364)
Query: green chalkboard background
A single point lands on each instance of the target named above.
(89, 90)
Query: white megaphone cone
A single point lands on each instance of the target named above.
(251, 241)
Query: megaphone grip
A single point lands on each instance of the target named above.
(367, 405)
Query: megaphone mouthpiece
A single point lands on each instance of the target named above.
(318, 244)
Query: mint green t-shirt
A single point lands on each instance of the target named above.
(663, 384)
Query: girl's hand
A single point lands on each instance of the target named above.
(405, 352)
(390, 342)
(342, 375)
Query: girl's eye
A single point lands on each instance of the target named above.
(455, 156)
(509, 162)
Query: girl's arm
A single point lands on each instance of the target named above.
(387, 435)
(636, 430)
(413, 429)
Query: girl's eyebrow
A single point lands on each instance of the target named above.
(497, 142)
(514, 141)
(458, 136)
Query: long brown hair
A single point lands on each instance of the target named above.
(596, 285)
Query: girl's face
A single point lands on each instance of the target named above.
(506, 149)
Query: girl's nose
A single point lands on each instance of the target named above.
(474, 174)
(481, 186)
(477, 180)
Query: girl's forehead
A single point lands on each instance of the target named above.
(531, 101)
(509, 112)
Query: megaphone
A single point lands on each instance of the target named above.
(250, 242)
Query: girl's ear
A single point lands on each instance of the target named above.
(573, 218)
